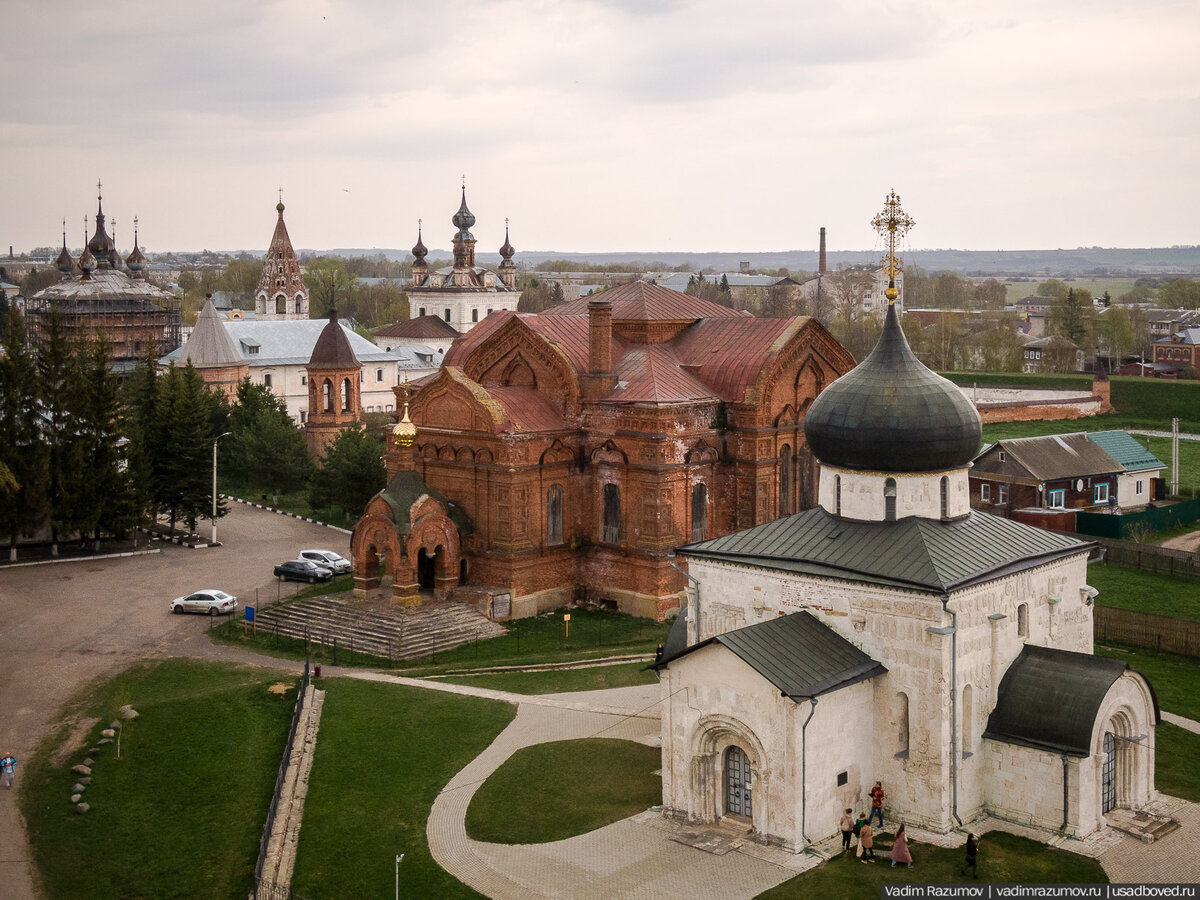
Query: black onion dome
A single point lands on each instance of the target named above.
(420, 251)
(892, 414)
(64, 262)
(463, 219)
(507, 251)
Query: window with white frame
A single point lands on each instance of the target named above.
(1101, 492)
(1058, 498)
(1002, 493)
(985, 492)
(1139, 487)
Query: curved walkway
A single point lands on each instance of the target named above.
(631, 858)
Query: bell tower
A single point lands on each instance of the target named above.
(334, 388)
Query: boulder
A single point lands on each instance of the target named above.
(81, 808)
(81, 770)
(89, 762)
(128, 712)
(115, 723)
(92, 751)
(86, 779)
(75, 798)
(79, 788)
(105, 741)
(108, 733)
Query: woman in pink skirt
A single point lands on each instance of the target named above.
(900, 852)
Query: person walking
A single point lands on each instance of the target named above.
(972, 862)
(8, 765)
(900, 851)
(847, 830)
(866, 840)
(876, 803)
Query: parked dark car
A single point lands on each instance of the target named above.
(302, 570)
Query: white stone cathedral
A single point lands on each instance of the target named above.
(895, 634)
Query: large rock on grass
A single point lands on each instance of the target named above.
(81, 770)
(81, 808)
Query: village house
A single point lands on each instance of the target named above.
(1057, 471)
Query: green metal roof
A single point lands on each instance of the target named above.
(1050, 698)
(1127, 450)
(797, 653)
(912, 553)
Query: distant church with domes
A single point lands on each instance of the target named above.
(892, 633)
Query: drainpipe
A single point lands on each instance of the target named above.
(671, 563)
(953, 632)
(803, 766)
(1065, 794)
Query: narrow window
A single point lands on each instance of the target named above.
(1023, 620)
(902, 725)
(379, 374)
(303, 379)
(889, 500)
(785, 480)
(346, 395)
(945, 497)
(302, 417)
(837, 495)
(420, 311)
(280, 307)
(968, 721)
(1138, 488)
(1002, 490)
(267, 380)
(474, 315)
(1001, 455)
(612, 514)
(327, 392)
(985, 492)
(447, 315)
(699, 512)
(554, 512)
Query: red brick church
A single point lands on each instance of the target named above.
(570, 451)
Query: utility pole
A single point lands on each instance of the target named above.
(1175, 457)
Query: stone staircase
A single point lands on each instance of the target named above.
(1146, 826)
(377, 627)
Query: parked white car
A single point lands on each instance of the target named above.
(334, 562)
(209, 600)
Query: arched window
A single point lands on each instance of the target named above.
(902, 725)
(968, 720)
(346, 394)
(554, 513)
(611, 533)
(889, 500)
(785, 480)
(945, 497)
(327, 391)
(699, 512)
(280, 307)
(837, 495)
(1023, 620)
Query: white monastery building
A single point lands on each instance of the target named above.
(893, 633)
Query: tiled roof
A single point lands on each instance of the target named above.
(641, 301)
(1050, 698)
(422, 328)
(913, 553)
(1060, 456)
(1127, 450)
(797, 653)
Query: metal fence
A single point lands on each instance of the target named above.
(1162, 560)
(266, 890)
(1159, 518)
(1139, 629)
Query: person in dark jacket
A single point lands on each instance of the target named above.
(972, 857)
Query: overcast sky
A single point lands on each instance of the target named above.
(603, 126)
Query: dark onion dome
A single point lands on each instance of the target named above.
(64, 262)
(420, 250)
(87, 262)
(507, 250)
(332, 349)
(463, 219)
(892, 414)
(136, 261)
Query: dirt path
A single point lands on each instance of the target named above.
(1189, 542)
(64, 626)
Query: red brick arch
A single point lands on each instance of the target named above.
(375, 536)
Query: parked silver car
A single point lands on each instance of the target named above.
(334, 562)
(209, 600)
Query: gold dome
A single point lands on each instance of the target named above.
(405, 431)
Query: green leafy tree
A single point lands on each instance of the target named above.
(991, 294)
(240, 279)
(1054, 288)
(535, 294)
(1180, 293)
(1115, 331)
(22, 451)
(328, 284)
(351, 473)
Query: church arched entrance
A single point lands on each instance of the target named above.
(738, 799)
(426, 568)
(1108, 774)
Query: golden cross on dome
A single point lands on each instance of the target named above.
(893, 223)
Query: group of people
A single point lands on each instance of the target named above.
(861, 828)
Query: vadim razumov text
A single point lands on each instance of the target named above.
(1016, 891)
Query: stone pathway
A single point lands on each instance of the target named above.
(1169, 859)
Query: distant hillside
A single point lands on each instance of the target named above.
(1094, 261)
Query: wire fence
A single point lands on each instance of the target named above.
(272, 890)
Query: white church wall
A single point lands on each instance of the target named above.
(917, 493)
(841, 738)
(1025, 785)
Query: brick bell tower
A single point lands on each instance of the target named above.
(334, 388)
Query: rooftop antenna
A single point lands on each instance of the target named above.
(893, 223)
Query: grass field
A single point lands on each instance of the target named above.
(181, 812)
(1003, 859)
(383, 755)
(1175, 754)
(1019, 290)
(594, 633)
(1127, 588)
(1176, 679)
(585, 785)
(558, 681)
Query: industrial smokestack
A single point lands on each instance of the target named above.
(821, 266)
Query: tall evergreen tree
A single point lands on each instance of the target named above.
(351, 473)
(185, 426)
(266, 449)
(21, 448)
(59, 386)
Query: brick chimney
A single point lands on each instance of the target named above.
(600, 378)
(822, 268)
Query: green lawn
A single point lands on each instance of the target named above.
(181, 812)
(1003, 859)
(594, 633)
(1175, 754)
(1176, 679)
(581, 786)
(1019, 290)
(558, 681)
(383, 755)
(1127, 588)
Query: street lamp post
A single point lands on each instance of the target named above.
(214, 507)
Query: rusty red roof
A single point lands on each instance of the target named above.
(650, 373)
(528, 409)
(642, 301)
(422, 327)
(728, 355)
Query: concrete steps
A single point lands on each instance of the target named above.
(1146, 826)
(379, 629)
